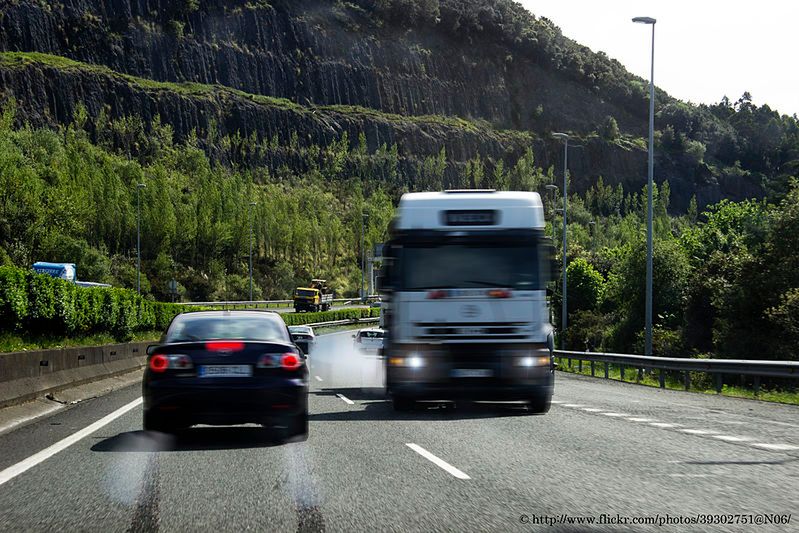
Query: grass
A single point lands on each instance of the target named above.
(700, 382)
(15, 60)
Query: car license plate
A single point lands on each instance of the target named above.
(472, 373)
(225, 371)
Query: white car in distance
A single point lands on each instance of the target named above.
(303, 337)
(369, 340)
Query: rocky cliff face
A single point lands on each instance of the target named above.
(318, 55)
(308, 51)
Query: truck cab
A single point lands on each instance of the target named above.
(463, 287)
(316, 297)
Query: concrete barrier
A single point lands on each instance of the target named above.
(27, 375)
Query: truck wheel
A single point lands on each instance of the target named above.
(403, 404)
(539, 404)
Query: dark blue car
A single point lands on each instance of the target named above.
(224, 368)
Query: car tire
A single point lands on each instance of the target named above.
(297, 428)
(153, 422)
(539, 405)
(403, 404)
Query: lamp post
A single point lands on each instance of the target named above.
(252, 204)
(139, 187)
(650, 186)
(564, 311)
(364, 218)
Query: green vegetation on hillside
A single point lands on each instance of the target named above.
(726, 282)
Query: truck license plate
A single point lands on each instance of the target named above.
(472, 373)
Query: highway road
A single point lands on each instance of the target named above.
(627, 452)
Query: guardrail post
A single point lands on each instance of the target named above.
(662, 378)
(687, 380)
(606, 369)
(621, 371)
(570, 363)
(592, 369)
(719, 383)
(756, 385)
(640, 375)
(580, 366)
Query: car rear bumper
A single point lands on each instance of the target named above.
(224, 404)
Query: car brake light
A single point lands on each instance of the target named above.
(437, 294)
(290, 361)
(500, 293)
(224, 346)
(159, 363)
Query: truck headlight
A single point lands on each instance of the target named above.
(414, 361)
(530, 361)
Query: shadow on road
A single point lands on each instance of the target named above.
(379, 408)
(193, 439)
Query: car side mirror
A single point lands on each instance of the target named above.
(151, 349)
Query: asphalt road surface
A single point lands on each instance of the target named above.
(615, 454)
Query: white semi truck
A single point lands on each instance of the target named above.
(463, 289)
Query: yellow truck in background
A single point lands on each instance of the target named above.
(316, 297)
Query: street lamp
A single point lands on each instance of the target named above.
(364, 218)
(139, 187)
(650, 180)
(564, 313)
(252, 204)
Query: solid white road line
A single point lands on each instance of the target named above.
(13, 471)
(732, 438)
(697, 431)
(438, 462)
(573, 405)
(775, 447)
(346, 400)
(615, 414)
(663, 425)
(592, 409)
(318, 378)
(634, 419)
(555, 401)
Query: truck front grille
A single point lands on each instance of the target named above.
(473, 331)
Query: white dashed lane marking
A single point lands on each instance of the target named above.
(776, 447)
(437, 461)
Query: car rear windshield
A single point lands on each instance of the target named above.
(203, 327)
(372, 334)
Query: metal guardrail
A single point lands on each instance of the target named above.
(257, 303)
(717, 367)
(342, 322)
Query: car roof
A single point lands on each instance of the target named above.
(373, 329)
(251, 313)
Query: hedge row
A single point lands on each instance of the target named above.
(37, 303)
(297, 319)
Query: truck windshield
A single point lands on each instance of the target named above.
(306, 292)
(467, 266)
